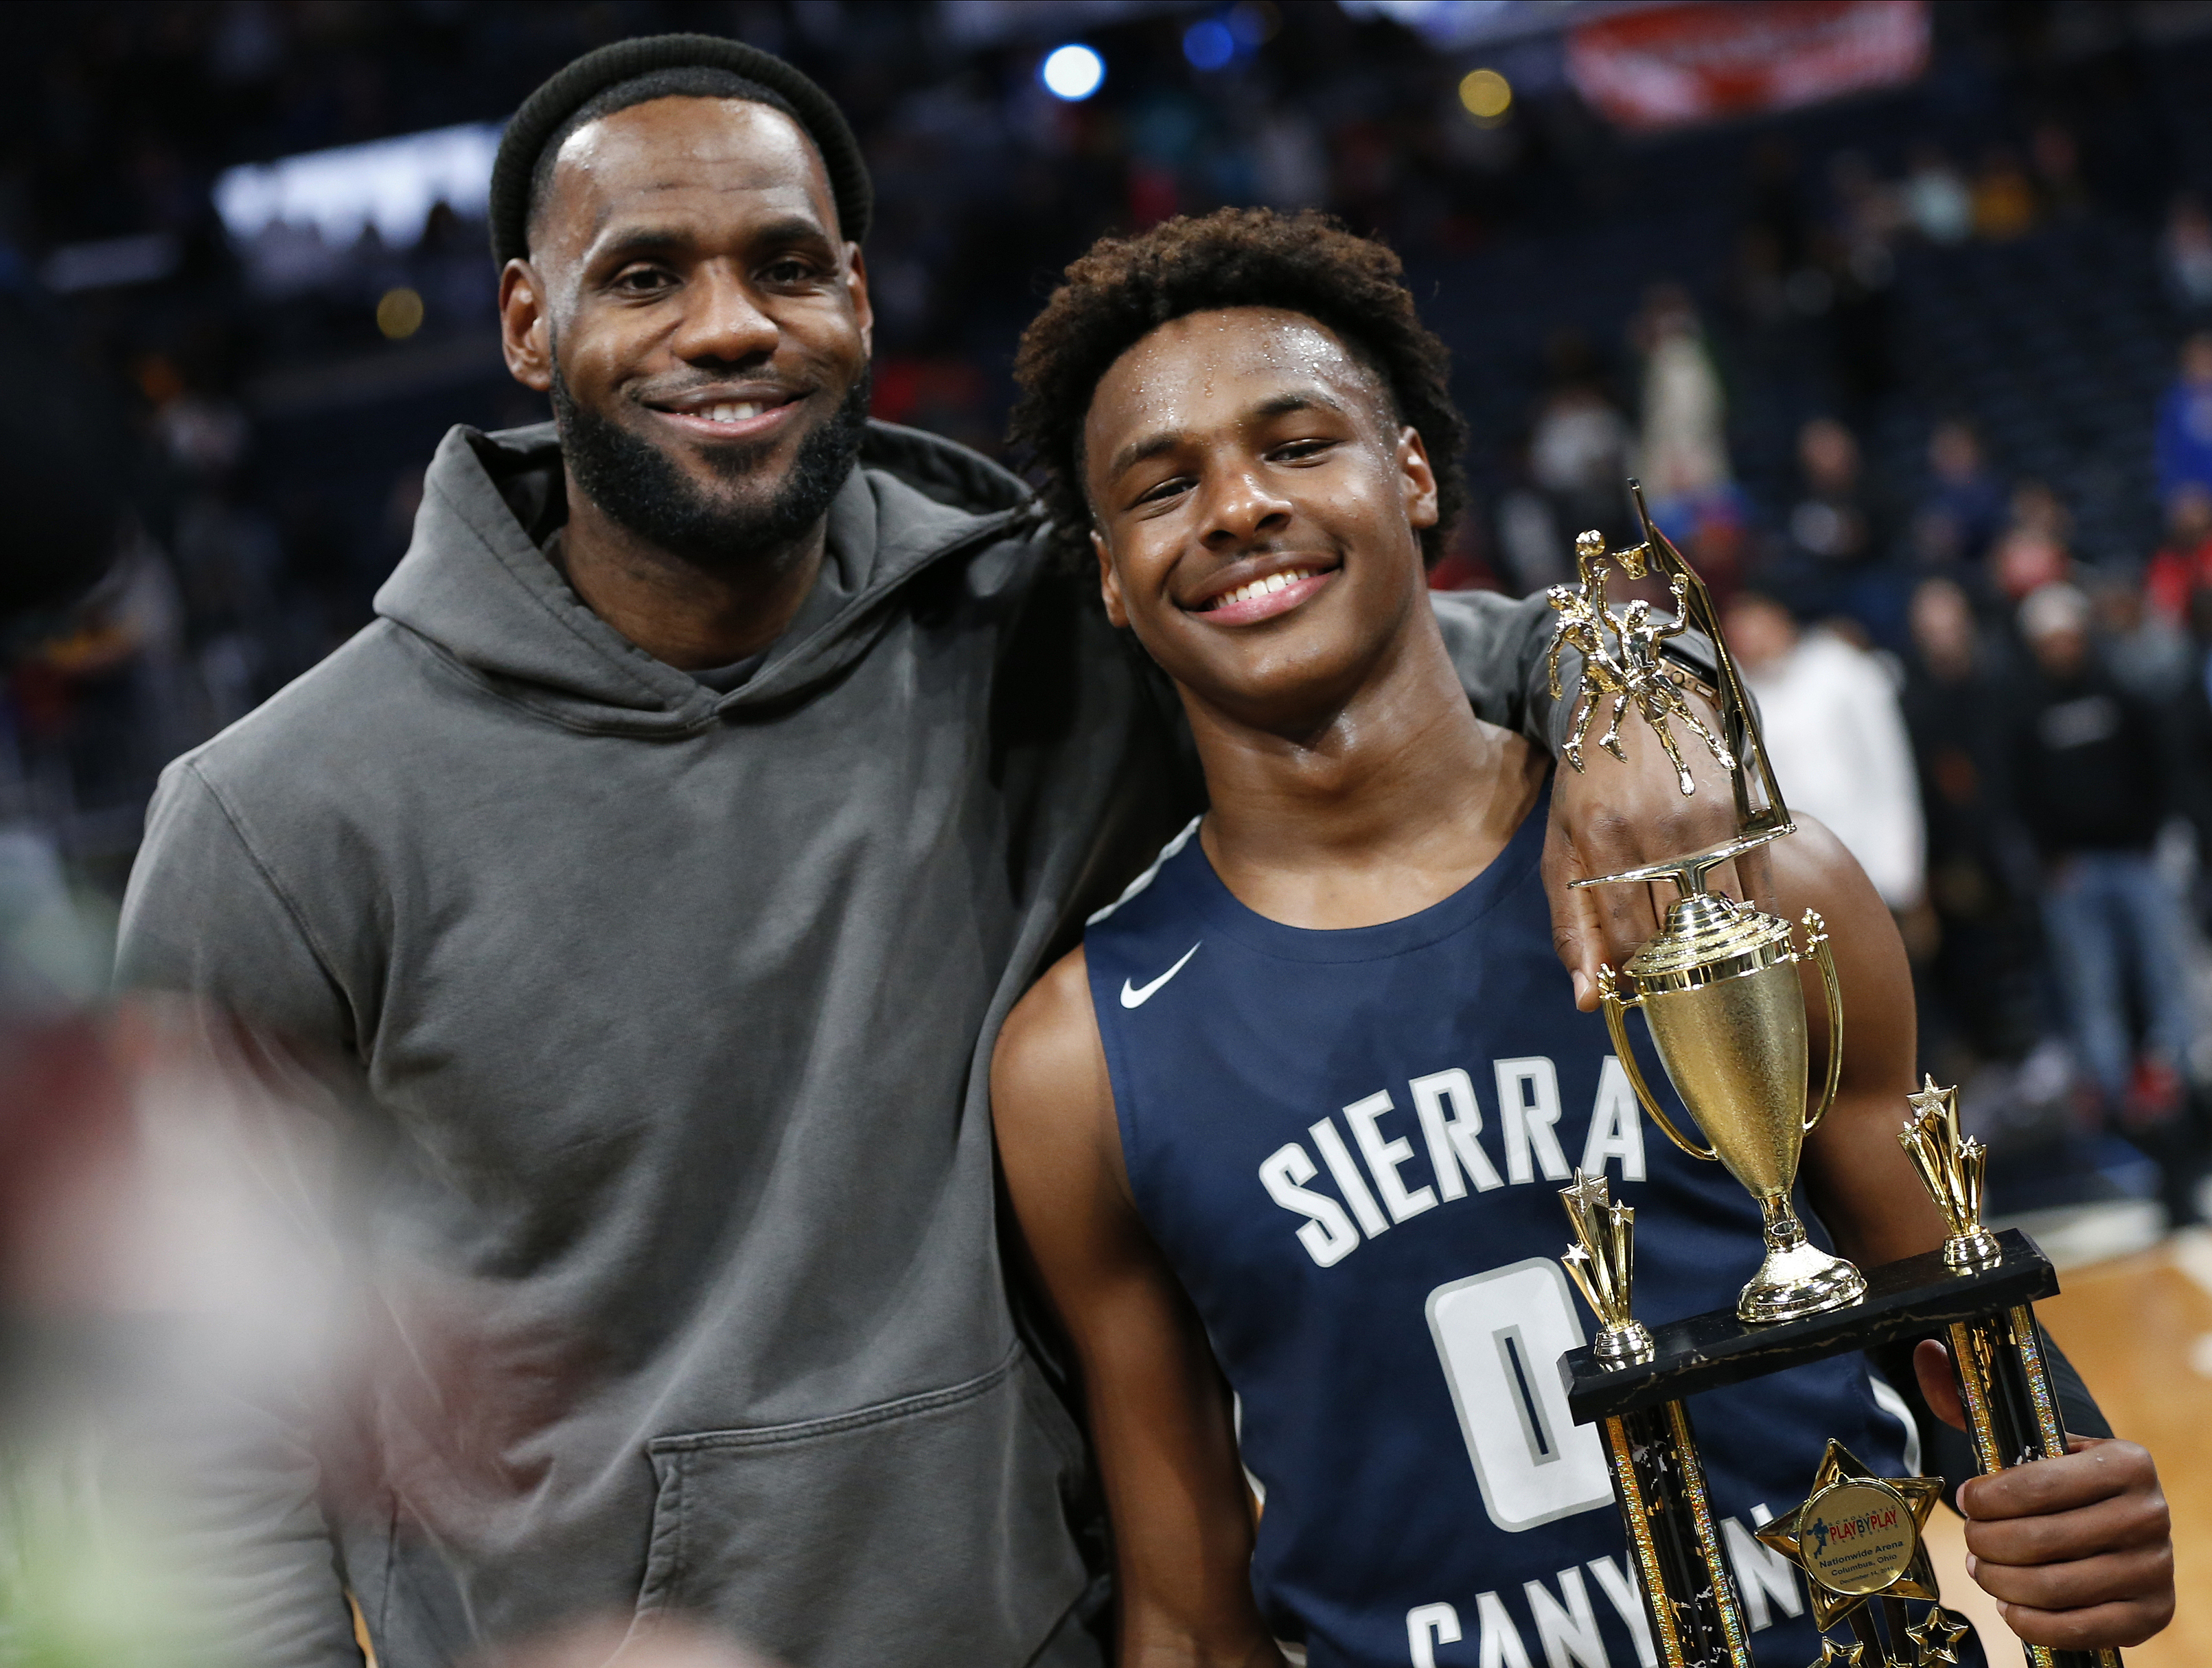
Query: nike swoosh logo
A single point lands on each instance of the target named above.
(1136, 996)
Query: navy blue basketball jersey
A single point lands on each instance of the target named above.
(1350, 1146)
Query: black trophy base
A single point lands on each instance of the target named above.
(1909, 1298)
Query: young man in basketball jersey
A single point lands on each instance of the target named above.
(1285, 1134)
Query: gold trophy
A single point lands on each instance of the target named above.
(1720, 989)
(1718, 984)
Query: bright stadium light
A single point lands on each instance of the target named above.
(1073, 73)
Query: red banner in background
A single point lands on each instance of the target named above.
(1674, 66)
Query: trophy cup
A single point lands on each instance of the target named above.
(1718, 984)
(1720, 989)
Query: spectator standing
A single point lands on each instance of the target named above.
(2191, 743)
(2182, 1148)
(1861, 360)
(1830, 716)
(2083, 760)
(2183, 566)
(1979, 970)
(1959, 519)
(2032, 552)
(2148, 652)
(1681, 453)
(1528, 537)
(1578, 453)
(2056, 157)
(1839, 534)
(2184, 421)
(2185, 254)
(2004, 201)
(1937, 199)
(1869, 213)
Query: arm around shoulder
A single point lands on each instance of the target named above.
(1497, 646)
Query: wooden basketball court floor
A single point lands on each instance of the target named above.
(2140, 1329)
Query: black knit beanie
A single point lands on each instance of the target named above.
(576, 86)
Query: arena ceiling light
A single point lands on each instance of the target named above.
(1209, 44)
(391, 184)
(1072, 72)
(1216, 42)
(1486, 94)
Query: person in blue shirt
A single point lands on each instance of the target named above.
(1285, 1136)
(2184, 422)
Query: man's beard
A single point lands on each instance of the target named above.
(636, 483)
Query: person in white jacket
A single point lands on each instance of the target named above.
(1829, 714)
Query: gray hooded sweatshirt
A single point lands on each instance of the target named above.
(666, 1014)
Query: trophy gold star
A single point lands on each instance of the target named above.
(1935, 1640)
(1857, 1536)
(1834, 1655)
(1951, 1168)
(1601, 1263)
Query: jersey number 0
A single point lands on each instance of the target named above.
(1500, 1335)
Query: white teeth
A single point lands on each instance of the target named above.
(733, 411)
(1273, 582)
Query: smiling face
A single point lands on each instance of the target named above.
(1257, 510)
(702, 325)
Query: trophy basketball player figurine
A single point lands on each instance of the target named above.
(1720, 991)
(1718, 984)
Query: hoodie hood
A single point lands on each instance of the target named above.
(475, 586)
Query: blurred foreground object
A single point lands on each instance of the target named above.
(177, 1271)
(610, 1645)
(154, 1273)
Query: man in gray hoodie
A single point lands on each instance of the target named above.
(650, 880)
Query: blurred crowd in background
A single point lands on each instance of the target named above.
(1921, 379)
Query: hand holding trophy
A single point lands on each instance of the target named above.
(1720, 989)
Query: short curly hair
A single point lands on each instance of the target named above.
(1125, 288)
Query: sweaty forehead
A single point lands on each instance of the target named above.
(1205, 368)
(688, 156)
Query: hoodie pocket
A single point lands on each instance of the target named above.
(929, 1531)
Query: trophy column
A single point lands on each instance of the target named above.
(1689, 1599)
(2012, 1412)
(1697, 1620)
